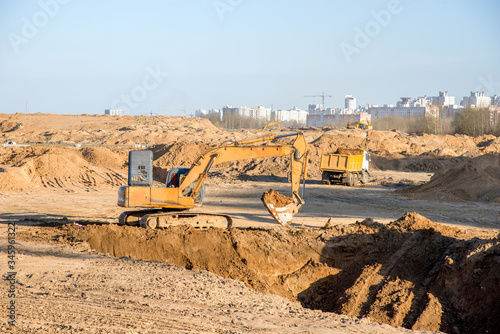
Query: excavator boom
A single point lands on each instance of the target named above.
(184, 195)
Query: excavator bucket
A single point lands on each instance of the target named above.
(281, 207)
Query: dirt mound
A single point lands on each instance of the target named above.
(413, 272)
(105, 157)
(329, 142)
(17, 178)
(103, 129)
(7, 126)
(178, 154)
(475, 180)
(347, 151)
(412, 221)
(57, 167)
(491, 144)
(194, 135)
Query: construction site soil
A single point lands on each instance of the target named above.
(415, 249)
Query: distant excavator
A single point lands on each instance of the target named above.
(363, 124)
(270, 124)
(184, 187)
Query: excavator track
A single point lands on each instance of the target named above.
(152, 219)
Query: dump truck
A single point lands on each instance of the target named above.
(169, 204)
(345, 166)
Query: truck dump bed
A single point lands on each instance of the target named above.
(341, 162)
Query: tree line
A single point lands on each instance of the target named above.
(237, 121)
(473, 122)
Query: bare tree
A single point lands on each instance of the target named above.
(235, 121)
(473, 122)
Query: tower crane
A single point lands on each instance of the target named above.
(322, 96)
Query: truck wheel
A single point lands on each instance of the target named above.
(325, 178)
(351, 180)
(354, 179)
(364, 177)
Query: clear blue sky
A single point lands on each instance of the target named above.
(76, 56)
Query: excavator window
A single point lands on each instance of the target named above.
(175, 176)
(173, 181)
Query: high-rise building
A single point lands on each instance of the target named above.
(379, 112)
(495, 100)
(445, 100)
(476, 99)
(314, 108)
(200, 113)
(350, 102)
(259, 112)
(113, 112)
(404, 103)
(294, 114)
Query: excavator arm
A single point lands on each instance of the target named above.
(242, 151)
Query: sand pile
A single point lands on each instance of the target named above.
(8, 126)
(17, 178)
(178, 141)
(102, 129)
(413, 272)
(475, 180)
(105, 157)
(349, 151)
(491, 143)
(57, 167)
(178, 154)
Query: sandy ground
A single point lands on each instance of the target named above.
(63, 290)
(241, 200)
(350, 250)
(74, 289)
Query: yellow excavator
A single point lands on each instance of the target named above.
(363, 124)
(168, 204)
(268, 125)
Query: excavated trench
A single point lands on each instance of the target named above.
(413, 272)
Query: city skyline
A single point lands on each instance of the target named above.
(457, 101)
(70, 57)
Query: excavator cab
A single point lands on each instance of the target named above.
(175, 177)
